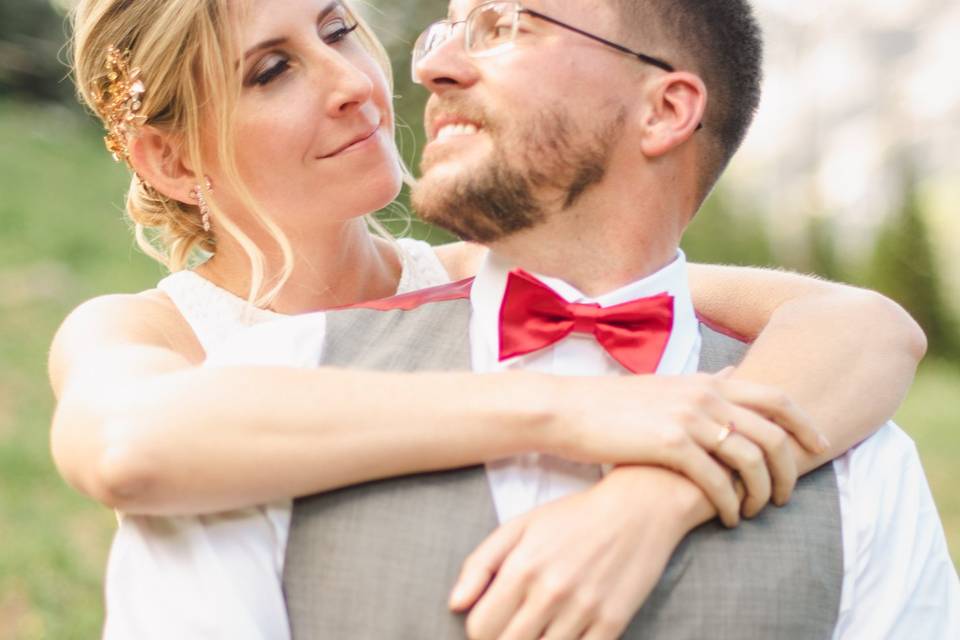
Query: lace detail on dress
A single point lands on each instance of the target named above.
(214, 313)
(421, 266)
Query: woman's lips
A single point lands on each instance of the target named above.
(355, 143)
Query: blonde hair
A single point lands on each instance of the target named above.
(185, 50)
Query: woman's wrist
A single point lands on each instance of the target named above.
(526, 409)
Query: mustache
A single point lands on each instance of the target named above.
(459, 107)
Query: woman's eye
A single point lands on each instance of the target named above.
(336, 30)
(270, 68)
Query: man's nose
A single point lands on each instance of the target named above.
(447, 66)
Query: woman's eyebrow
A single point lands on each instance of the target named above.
(273, 42)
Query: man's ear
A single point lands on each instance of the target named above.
(156, 158)
(675, 107)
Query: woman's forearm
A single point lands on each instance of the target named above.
(847, 358)
(204, 440)
(846, 355)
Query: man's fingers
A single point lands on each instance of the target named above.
(747, 459)
(480, 567)
(607, 627)
(571, 622)
(775, 443)
(530, 621)
(497, 607)
(778, 407)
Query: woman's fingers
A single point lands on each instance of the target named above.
(704, 471)
(777, 406)
(746, 458)
(775, 443)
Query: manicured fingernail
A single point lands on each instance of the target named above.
(457, 596)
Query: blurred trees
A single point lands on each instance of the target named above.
(32, 37)
(904, 267)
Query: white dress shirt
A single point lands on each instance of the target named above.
(899, 581)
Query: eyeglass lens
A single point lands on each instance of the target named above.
(490, 27)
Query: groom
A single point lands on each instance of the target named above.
(575, 138)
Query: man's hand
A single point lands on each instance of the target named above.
(680, 422)
(581, 566)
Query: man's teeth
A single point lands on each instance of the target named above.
(451, 130)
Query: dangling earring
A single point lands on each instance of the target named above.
(197, 194)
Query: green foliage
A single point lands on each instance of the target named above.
(720, 234)
(62, 240)
(32, 34)
(822, 252)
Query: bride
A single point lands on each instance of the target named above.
(262, 134)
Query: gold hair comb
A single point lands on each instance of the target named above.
(118, 101)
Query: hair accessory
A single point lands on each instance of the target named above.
(118, 101)
(197, 194)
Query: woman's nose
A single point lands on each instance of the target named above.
(351, 86)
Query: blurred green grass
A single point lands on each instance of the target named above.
(63, 240)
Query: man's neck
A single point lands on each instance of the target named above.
(597, 246)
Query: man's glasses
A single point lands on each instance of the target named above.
(491, 28)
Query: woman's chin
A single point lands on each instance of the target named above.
(369, 197)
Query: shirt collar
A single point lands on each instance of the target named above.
(486, 297)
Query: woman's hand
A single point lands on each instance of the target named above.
(581, 566)
(700, 425)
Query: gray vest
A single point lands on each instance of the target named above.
(377, 561)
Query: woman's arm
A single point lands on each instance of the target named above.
(140, 427)
(824, 344)
(828, 346)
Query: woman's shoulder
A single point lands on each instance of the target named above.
(146, 318)
(126, 308)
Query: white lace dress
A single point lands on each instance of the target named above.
(215, 576)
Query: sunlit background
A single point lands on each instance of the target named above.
(851, 171)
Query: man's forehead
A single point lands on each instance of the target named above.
(458, 9)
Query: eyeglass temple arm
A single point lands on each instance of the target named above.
(619, 47)
(642, 56)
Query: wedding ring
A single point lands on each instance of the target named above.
(725, 432)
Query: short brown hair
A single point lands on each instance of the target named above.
(720, 41)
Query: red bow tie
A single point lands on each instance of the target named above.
(534, 317)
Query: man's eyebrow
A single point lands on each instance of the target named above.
(273, 42)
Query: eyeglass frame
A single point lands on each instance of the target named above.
(520, 9)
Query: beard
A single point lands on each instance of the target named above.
(537, 167)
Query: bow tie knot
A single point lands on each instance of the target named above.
(533, 317)
(585, 317)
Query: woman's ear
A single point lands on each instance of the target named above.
(676, 105)
(155, 157)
